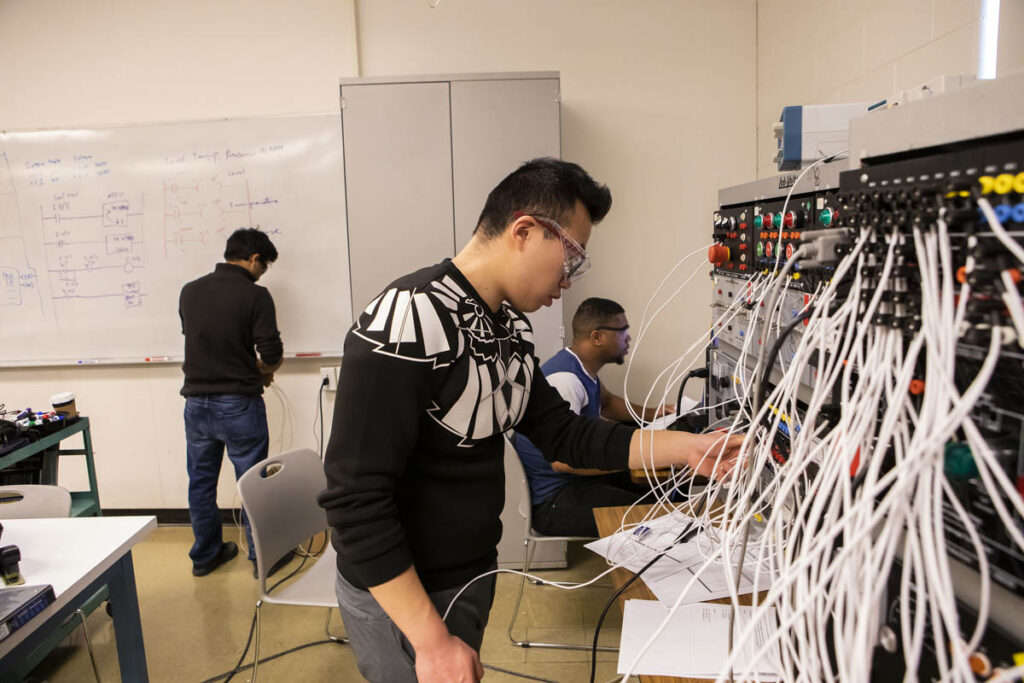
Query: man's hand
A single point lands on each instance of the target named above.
(664, 410)
(448, 660)
(267, 379)
(704, 449)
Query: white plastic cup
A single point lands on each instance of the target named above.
(64, 404)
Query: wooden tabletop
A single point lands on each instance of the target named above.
(608, 522)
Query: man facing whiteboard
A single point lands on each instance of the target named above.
(232, 348)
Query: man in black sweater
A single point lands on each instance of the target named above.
(436, 369)
(226, 319)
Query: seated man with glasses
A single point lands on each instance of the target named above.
(564, 497)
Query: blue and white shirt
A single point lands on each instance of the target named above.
(565, 372)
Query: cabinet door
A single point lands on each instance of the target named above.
(398, 181)
(496, 126)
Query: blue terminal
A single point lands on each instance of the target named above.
(1003, 212)
(1018, 213)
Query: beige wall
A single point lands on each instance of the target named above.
(657, 102)
(832, 51)
(67, 64)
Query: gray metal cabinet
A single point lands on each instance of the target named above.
(421, 154)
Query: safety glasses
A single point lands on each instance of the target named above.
(575, 261)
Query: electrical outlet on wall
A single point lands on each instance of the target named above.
(331, 375)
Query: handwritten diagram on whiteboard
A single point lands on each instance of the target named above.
(99, 229)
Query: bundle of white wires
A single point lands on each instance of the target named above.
(864, 485)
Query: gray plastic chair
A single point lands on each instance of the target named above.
(531, 537)
(35, 501)
(279, 497)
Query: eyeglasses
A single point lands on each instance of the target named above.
(575, 261)
(612, 329)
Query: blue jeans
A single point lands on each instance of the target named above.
(212, 422)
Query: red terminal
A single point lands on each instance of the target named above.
(961, 274)
(1014, 275)
(917, 387)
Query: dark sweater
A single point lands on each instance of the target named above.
(430, 380)
(226, 317)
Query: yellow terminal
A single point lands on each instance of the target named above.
(1003, 184)
(1018, 183)
(987, 182)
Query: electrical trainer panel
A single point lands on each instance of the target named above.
(760, 225)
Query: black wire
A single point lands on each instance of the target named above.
(687, 533)
(699, 372)
(320, 402)
(772, 353)
(229, 674)
(248, 642)
(252, 628)
(302, 564)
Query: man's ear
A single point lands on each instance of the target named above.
(519, 232)
(595, 337)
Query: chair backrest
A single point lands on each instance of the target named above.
(518, 473)
(33, 501)
(279, 497)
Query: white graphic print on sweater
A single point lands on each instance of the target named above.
(498, 350)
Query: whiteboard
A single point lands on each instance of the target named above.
(99, 230)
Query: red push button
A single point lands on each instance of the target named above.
(718, 254)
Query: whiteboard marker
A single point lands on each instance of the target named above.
(308, 355)
(150, 359)
(88, 361)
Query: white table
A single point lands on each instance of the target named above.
(78, 556)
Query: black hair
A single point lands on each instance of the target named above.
(592, 313)
(546, 186)
(245, 242)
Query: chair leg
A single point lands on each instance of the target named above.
(527, 556)
(327, 629)
(530, 547)
(256, 645)
(88, 645)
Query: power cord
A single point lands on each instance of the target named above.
(227, 676)
(687, 533)
(699, 372)
(320, 405)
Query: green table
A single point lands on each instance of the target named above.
(83, 503)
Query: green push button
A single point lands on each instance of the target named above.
(959, 461)
(777, 220)
(825, 217)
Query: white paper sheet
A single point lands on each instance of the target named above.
(671, 575)
(695, 642)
